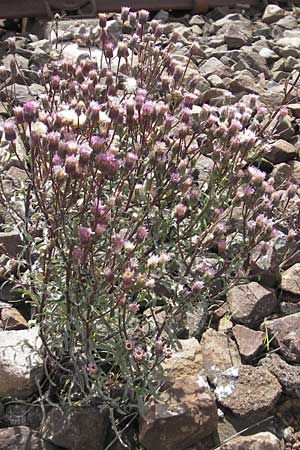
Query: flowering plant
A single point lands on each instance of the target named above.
(132, 232)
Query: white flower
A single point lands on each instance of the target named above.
(103, 118)
(153, 261)
(130, 85)
(38, 127)
(164, 258)
(69, 117)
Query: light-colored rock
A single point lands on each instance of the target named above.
(259, 441)
(21, 362)
(250, 342)
(187, 360)
(220, 352)
(290, 280)
(250, 303)
(185, 413)
(11, 319)
(273, 13)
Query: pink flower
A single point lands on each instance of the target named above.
(85, 234)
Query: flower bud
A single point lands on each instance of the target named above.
(102, 20)
(9, 131)
(85, 234)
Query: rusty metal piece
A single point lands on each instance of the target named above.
(89, 8)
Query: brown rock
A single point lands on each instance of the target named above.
(252, 391)
(285, 333)
(281, 151)
(250, 342)
(281, 173)
(186, 413)
(187, 360)
(244, 82)
(259, 441)
(10, 242)
(290, 280)
(11, 319)
(76, 428)
(220, 352)
(250, 303)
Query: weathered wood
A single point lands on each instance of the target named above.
(44, 8)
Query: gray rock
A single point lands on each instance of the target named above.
(285, 334)
(21, 363)
(214, 66)
(76, 428)
(250, 303)
(288, 375)
(245, 82)
(22, 438)
(236, 35)
(185, 413)
(289, 42)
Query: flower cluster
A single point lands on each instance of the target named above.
(132, 223)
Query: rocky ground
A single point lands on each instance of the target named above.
(238, 381)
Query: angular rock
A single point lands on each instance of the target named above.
(252, 391)
(214, 66)
(272, 14)
(220, 352)
(290, 280)
(290, 42)
(281, 174)
(11, 319)
(250, 342)
(259, 441)
(244, 82)
(10, 243)
(266, 266)
(250, 303)
(76, 428)
(236, 36)
(281, 151)
(186, 413)
(21, 438)
(21, 414)
(285, 334)
(288, 375)
(21, 362)
(188, 359)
